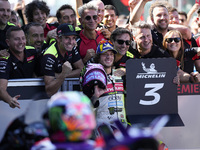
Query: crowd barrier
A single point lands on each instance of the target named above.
(176, 138)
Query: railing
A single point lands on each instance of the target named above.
(183, 137)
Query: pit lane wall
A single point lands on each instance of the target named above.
(176, 138)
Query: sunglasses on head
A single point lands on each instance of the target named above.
(88, 18)
(122, 42)
(169, 40)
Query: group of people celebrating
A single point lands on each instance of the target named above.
(90, 35)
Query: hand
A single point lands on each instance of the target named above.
(176, 80)
(90, 53)
(133, 2)
(195, 7)
(106, 33)
(198, 51)
(52, 34)
(66, 68)
(19, 6)
(195, 77)
(14, 103)
(98, 91)
(120, 72)
(4, 53)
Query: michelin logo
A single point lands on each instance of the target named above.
(151, 72)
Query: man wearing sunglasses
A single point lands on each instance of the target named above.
(144, 47)
(121, 39)
(89, 37)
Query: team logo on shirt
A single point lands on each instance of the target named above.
(30, 58)
(151, 72)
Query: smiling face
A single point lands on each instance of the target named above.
(17, 41)
(40, 17)
(160, 18)
(89, 19)
(143, 39)
(110, 18)
(5, 12)
(35, 37)
(66, 43)
(173, 17)
(107, 59)
(172, 46)
(68, 16)
(122, 48)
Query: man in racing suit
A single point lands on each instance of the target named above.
(111, 102)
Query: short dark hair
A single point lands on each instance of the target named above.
(156, 4)
(36, 4)
(29, 25)
(172, 9)
(183, 13)
(11, 29)
(119, 31)
(63, 7)
(110, 7)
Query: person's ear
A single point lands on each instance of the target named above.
(8, 42)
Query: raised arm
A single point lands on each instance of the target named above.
(194, 8)
(78, 4)
(185, 31)
(52, 84)
(136, 12)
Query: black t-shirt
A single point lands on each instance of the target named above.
(12, 68)
(156, 52)
(157, 38)
(52, 60)
(190, 55)
(122, 62)
(3, 44)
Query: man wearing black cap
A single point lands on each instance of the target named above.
(59, 58)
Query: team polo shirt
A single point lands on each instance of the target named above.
(157, 38)
(190, 55)
(52, 60)
(12, 68)
(122, 62)
(156, 52)
(3, 44)
(84, 43)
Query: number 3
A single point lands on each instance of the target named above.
(156, 87)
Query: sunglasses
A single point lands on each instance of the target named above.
(169, 40)
(88, 18)
(122, 42)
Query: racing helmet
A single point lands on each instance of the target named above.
(91, 75)
(71, 117)
(104, 46)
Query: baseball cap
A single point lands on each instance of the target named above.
(66, 29)
(104, 46)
